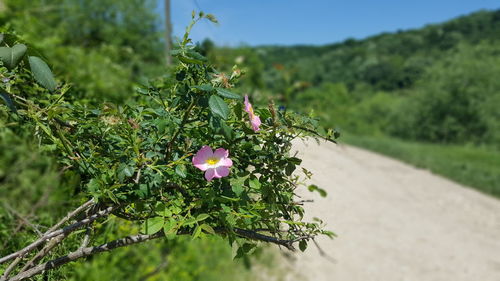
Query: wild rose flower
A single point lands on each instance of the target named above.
(254, 119)
(215, 164)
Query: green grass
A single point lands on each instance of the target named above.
(477, 167)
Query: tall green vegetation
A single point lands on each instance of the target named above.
(133, 168)
(103, 47)
(437, 84)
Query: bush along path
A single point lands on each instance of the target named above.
(183, 156)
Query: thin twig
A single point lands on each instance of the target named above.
(48, 235)
(86, 238)
(75, 212)
(84, 252)
(10, 268)
(136, 180)
(87, 251)
(45, 250)
(261, 237)
(130, 217)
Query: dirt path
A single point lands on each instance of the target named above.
(395, 222)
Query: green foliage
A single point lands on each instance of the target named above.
(30, 185)
(42, 73)
(138, 155)
(202, 259)
(218, 107)
(242, 61)
(103, 47)
(388, 61)
(454, 101)
(10, 56)
(434, 84)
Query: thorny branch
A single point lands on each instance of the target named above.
(84, 252)
(53, 233)
(93, 212)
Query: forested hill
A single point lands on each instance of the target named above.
(435, 84)
(388, 60)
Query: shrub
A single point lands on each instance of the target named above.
(141, 161)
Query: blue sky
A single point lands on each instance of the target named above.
(288, 22)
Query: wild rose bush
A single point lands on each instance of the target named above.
(185, 155)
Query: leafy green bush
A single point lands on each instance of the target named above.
(103, 47)
(138, 161)
(455, 100)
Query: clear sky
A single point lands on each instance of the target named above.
(288, 22)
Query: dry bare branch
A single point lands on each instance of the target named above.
(48, 235)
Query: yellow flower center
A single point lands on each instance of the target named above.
(212, 161)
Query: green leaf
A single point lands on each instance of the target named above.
(93, 186)
(169, 228)
(8, 101)
(207, 228)
(181, 170)
(125, 171)
(42, 73)
(236, 251)
(175, 52)
(11, 56)
(218, 106)
(295, 160)
(191, 56)
(196, 232)
(227, 94)
(237, 189)
(314, 187)
(303, 245)
(330, 234)
(162, 210)
(190, 221)
(211, 18)
(336, 134)
(227, 131)
(204, 87)
(254, 184)
(237, 185)
(248, 248)
(238, 110)
(201, 217)
(195, 55)
(289, 169)
(244, 250)
(188, 60)
(153, 225)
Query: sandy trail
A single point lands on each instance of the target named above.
(395, 222)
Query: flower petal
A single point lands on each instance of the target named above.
(202, 166)
(199, 160)
(221, 153)
(226, 162)
(248, 105)
(255, 121)
(222, 171)
(210, 174)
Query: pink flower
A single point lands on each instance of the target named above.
(215, 164)
(254, 119)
